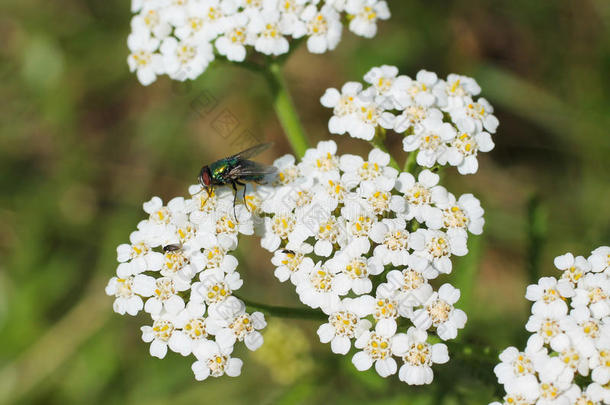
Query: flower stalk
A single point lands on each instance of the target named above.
(378, 142)
(285, 110)
(285, 312)
(410, 163)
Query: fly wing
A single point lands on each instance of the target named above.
(248, 153)
(249, 170)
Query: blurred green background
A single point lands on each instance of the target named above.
(83, 144)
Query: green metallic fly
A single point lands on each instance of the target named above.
(236, 170)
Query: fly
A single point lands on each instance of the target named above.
(236, 170)
(172, 248)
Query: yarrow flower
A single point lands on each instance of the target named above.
(360, 241)
(180, 38)
(441, 120)
(177, 268)
(567, 358)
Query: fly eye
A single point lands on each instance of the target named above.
(204, 177)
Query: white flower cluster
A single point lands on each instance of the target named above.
(361, 241)
(440, 119)
(567, 358)
(181, 37)
(177, 269)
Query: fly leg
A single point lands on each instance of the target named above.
(234, 185)
(244, 193)
(208, 192)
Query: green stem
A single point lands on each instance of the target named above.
(536, 236)
(410, 163)
(285, 110)
(285, 312)
(378, 142)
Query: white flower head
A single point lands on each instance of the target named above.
(439, 247)
(163, 293)
(214, 361)
(159, 335)
(475, 117)
(143, 58)
(345, 322)
(574, 268)
(365, 14)
(439, 120)
(600, 259)
(439, 312)
(418, 357)
(126, 300)
(429, 140)
(377, 347)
